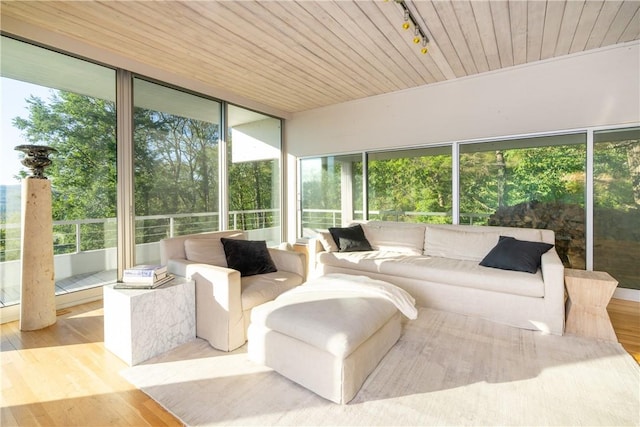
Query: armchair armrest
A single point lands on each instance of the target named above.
(219, 316)
(293, 262)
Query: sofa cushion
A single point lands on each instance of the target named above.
(249, 257)
(517, 255)
(448, 271)
(206, 251)
(261, 288)
(350, 239)
(327, 242)
(469, 242)
(402, 237)
(458, 244)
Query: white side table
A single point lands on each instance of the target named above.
(140, 324)
(589, 294)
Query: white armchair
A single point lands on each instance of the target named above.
(224, 299)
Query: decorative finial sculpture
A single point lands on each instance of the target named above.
(36, 158)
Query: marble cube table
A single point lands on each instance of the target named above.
(142, 323)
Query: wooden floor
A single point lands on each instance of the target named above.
(63, 375)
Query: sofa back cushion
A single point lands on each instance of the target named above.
(206, 251)
(395, 236)
(174, 247)
(469, 242)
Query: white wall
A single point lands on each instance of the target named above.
(600, 87)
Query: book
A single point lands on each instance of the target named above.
(145, 270)
(144, 285)
(144, 274)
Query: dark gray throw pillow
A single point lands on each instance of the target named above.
(249, 257)
(518, 255)
(350, 239)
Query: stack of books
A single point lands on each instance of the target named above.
(144, 277)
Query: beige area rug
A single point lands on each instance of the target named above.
(446, 369)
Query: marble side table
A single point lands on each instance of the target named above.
(140, 324)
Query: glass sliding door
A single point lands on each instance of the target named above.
(69, 104)
(616, 210)
(253, 174)
(176, 140)
(410, 185)
(331, 192)
(528, 183)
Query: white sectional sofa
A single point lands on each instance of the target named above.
(439, 266)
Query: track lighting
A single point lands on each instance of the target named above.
(419, 34)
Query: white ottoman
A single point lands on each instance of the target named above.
(327, 340)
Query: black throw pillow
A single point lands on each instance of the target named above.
(350, 239)
(517, 255)
(249, 257)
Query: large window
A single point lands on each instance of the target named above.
(616, 206)
(410, 185)
(184, 179)
(253, 163)
(331, 192)
(528, 183)
(176, 140)
(69, 104)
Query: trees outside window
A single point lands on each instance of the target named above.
(411, 185)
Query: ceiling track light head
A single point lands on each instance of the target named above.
(419, 34)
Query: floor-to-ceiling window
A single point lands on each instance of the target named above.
(176, 141)
(530, 183)
(616, 204)
(330, 191)
(410, 185)
(69, 104)
(253, 173)
(181, 180)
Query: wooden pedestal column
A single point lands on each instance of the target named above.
(37, 298)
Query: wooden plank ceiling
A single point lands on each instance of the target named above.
(299, 55)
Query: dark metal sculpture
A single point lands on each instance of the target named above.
(36, 158)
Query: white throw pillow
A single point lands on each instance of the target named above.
(327, 241)
(206, 251)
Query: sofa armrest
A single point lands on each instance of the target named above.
(219, 315)
(293, 262)
(553, 276)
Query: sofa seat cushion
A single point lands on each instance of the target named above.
(261, 288)
(440, 270)
(361, 261)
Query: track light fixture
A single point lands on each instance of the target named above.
(409, 20)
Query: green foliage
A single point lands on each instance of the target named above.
(83, 173)
(410, 184)
(175, 165)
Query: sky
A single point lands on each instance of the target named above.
(13, 95)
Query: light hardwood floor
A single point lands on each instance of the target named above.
(63, 375)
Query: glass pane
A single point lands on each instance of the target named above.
(616, 211)
(528, 183)
(411, 185)
(52, 99)
(254, 174)
(176, 137)
(331, 192)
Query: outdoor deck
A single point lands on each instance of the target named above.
(11, 295)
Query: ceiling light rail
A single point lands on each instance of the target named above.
(409, 20)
